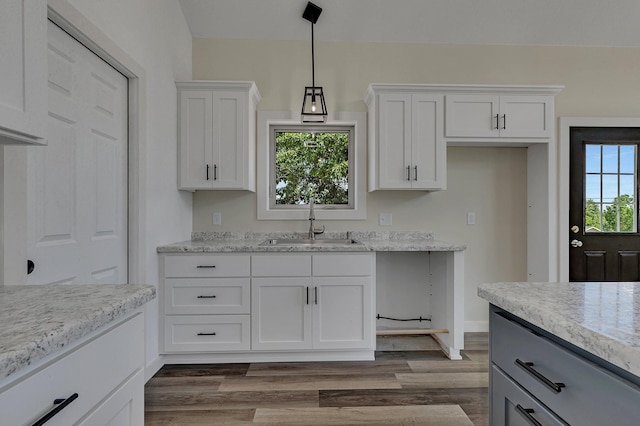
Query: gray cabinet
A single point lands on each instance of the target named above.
(559, 383)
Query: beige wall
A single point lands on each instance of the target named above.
(488, 181)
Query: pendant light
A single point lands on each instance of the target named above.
(314, 108)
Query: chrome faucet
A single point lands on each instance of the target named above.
(312, 217)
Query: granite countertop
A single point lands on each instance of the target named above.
(601, 318)
(39, 320)
(220, 242)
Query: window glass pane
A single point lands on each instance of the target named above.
(592, 217)
(610, 158)
(592, 188)
(609, 218)
(609, 188)
(311, 164)
(592, 158)
(627, 158)
(627, 185)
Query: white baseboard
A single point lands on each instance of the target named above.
(153, 367)
(476, 326)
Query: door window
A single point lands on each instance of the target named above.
(610, 188)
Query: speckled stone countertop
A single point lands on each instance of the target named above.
(601, 318)
(39, 320)
(220, 242)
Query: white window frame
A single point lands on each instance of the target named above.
(356, 120)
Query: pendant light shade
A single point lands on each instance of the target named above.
(314, 107)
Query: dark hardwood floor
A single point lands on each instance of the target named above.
(409, 383)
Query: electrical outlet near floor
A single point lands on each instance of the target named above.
(385, 219)
(217, 218)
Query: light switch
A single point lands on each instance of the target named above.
(385, 219)
(217, 218)
(471, 218)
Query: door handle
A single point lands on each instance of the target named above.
(575, 229)
(576, 243)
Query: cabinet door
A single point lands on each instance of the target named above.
(281, 313)
(23, 86)
(394, 141)
(196, 149)
(229, 140)
(472, 116)
(123, 408)
(342, 315)
(526, 116)
(510, 405)
(428, 148)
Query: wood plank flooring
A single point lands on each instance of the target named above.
(409, 383)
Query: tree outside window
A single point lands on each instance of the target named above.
(312, 163)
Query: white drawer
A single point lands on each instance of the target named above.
(206, 333)
(343, 264)
(207, 296)
(281, 265)
(92, 371)
(211, 265)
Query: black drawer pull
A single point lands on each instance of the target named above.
(526, 413)
(207, 297)
(206, 266)
(528, 367)
(61, 404)
(206, 334)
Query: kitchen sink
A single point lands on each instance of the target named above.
(308, 242)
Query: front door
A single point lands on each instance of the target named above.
(603, 205)
(77, 184)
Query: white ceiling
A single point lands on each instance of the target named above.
(538, 22)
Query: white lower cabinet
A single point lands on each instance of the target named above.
(101, 382)
(299, 302)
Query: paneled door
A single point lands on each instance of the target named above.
(603, 206)
(77, 185)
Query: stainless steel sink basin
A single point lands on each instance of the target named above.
(308, 242)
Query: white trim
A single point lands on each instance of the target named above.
(476, 326)
(563, 176)
(151, 368)
(268, 118)
(69, 19)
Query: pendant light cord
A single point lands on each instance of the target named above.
(313, 64)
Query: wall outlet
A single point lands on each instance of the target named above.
(217, 218)
(385, 219)
(471, 218)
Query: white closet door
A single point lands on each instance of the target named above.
(77, 200)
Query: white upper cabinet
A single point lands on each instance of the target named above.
(217, 131)
(406, 145)
(23, 71)
(499, 116)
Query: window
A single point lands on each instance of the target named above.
(297, 162)
(610, 188)
(311, 162)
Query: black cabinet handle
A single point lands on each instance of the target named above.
(528, 367)
(215, 172)
(61, 405)
(315, 289)
(206, 334)
(504, 121)
(206, 266)
(207, 172)
(497, 121)
(526, 413)
(408, 172)
(30, 266)
(416, 175)
(307, 295)
(207, 297)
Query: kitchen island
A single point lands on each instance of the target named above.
(434, 269)
(564, 352)
(80, 344)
